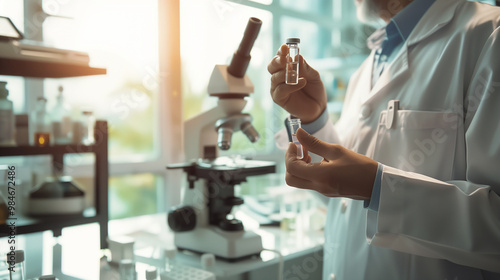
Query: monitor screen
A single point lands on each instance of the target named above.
(8, 30)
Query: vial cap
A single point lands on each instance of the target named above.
(16, 256)
(293, 40)
(151, 273)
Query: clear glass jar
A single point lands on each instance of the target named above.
(292, 61)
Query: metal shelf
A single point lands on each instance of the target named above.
(56, 223)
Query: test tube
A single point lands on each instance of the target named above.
(294, 126)
(292, 61)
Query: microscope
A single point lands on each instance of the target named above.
(203, 223)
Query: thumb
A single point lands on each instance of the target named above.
(314, 145)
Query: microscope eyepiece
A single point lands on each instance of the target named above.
(241, 57)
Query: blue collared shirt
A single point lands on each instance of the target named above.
(386, 42)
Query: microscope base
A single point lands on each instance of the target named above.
(223, 244)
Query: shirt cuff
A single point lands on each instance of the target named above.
(311, 127)
(373, 202)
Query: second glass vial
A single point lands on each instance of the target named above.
(292, 61)
(294, 126)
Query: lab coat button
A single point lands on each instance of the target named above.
(365, 112)
(343, 207)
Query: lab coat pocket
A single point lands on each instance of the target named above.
(418, 141)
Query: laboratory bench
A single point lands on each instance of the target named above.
(301, 251)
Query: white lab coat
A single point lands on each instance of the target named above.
(439, 214)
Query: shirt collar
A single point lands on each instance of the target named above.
(402, 24)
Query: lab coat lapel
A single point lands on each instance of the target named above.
(427, 26)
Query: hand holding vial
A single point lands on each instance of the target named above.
(306, 99)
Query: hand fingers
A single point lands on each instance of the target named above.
(297, 182)
(301, 168)
(306, 70)
(278, 63)
(314, 145)
(281, 92)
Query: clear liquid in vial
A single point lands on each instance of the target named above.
(292, 73)
(300, 153)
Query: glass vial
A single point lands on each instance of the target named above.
(88, 127)
(292, 61)
(294, 126)
(127, 270)
(16, 263)
(6, 117)
(41, 124)
(61, 120)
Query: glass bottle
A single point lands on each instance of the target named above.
(292, 61)
(61, 119)
(41, 124)
(16, 262)
(7, 120)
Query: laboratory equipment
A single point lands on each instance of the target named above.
(292, 61)
(202, 223)
(17, 268)
(121, 248)
(294, 126)
(61, 119)
(6, 117)
(40, 124)
(14, 46)
(183, 272)
(56, 196)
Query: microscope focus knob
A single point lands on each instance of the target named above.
(182, 219)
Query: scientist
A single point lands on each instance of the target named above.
(416, 149)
